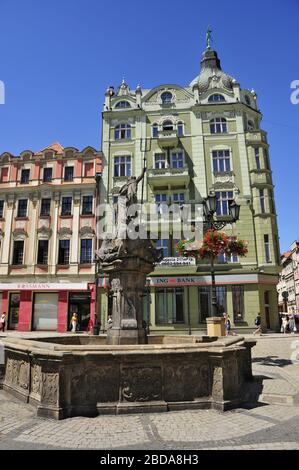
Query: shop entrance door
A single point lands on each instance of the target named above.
(79, 302)
(13, 310)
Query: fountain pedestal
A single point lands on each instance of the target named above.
(127, 281)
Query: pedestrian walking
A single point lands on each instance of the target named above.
(285, 324)
(258, 324)
(228, 325)
(2, 321)
(74, 322)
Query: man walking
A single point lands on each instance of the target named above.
(258, 324)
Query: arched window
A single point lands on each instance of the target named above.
(216, 98)
(122, 105)
(250, 125)
(167, 126)
(122, 131)
(180, 129)
(155, 130)
(166, 97)
(218, 126)
(247, 99)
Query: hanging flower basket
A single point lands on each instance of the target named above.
(214, 243)
(189, 248)
(237, 247)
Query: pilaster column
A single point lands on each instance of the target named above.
(75, 230)
(31, 259)
(7, 239)
(53, 252)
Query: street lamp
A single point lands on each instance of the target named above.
(209, 210)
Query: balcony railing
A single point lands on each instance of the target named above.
(168, 138)
(158, 177)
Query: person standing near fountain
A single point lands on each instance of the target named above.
(74, 322)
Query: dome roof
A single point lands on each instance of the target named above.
(211, 75)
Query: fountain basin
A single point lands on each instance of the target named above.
(75, 375)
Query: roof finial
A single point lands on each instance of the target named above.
(209, 37)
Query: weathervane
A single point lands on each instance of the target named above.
(209, 37)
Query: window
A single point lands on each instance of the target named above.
(88, 169)
(18, 253)
(123, 105)
(216, 98)
(224, 258)
(86, 251)
(68, 173)
(1, 209)
(250, 125)
(170, 305)
(87, 205)
(155, 131)
(42, 252)
(218, 126)
(64, 252)
(177, 160)
(45, 207)
(160, 161)
(164, 245)
(47, 175)
(4, 175)
(178, 198)
(66, 205)
(122, 131)
(161, 203)
(25, 176)
(204, 300)
(267, 249)
(166, 97)
(247, 100)
(122, 166)
(180, 129)
(238, 303)
(22, 208)
(257, 158)
(167, 126)
(223, 198)
(262, 200)
(221, 161)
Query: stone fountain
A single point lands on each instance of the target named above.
(127, 372)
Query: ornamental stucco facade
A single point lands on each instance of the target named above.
(47, 231)
(195, 139)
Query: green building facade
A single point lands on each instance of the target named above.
(195, 139)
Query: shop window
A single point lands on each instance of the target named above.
(64, 252)
(238, 303)
(45, 207)
(68, 173)
(87, 205)
(170, 305)
(42, 252)
(18, 252)
(1, 209)
(22, 208)
(79, 302)
(47, 175)
(86, 251)
(45, 311)
(14, 308)
(204, 300)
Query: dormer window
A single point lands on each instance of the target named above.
(216, 98)
(122, 105)
(122, 131)
(166, 97)
(167, 126)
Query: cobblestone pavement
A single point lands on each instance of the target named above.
(273, 424)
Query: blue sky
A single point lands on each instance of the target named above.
(57, 58)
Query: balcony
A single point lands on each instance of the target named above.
(256, 137)
(168, 177)
(168, 138)
(261, 177)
